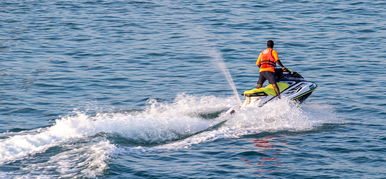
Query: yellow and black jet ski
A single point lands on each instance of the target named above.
(291, 85)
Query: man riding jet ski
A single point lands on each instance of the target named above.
(281, 80)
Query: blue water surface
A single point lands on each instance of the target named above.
(118, 89)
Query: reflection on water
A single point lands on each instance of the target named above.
(267, 159)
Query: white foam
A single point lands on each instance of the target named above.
(279, 115)
(88, 160)
(159, 123)
(4, 175)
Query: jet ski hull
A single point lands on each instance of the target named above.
(291, 84)
(297, 91)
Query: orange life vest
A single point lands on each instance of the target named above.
(267, 62)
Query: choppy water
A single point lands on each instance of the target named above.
(115, 89)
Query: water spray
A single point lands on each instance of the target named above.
(219, 60)
(199, 32)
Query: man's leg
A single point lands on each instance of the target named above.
(272, 81)
(261, 81)
(277, 91)
(259, 85)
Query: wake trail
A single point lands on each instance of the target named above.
(279, 115)
(158, 123)
(89, 140)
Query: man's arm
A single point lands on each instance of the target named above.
(276, 57)
(282, 66)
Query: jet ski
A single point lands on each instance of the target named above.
(291, 85)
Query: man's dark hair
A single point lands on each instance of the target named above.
(270, 44)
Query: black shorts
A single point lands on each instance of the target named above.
(267, 75)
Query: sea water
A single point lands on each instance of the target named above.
(136, 89)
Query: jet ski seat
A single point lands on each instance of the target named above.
(268, 90)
